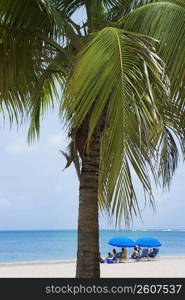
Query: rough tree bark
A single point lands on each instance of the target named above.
(88, 228)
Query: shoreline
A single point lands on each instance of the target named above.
(160, 267)
(68, 261)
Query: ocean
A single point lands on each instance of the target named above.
(54, 245)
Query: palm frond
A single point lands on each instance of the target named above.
(29, 51)
(24, 57)
(69, 6)
(122, 8)
(119, 75)
(46, 94)
(96, 11)
(36, 15)
(165, 21)
(168, 157)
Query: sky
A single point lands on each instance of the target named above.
(36, 193)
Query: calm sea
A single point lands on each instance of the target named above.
(51, 245)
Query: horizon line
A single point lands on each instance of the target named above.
(108, 229)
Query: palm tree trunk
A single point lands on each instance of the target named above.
(88, 227)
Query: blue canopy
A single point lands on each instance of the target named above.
(122, 242)
(149, 242)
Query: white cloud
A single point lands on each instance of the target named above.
(20, 146)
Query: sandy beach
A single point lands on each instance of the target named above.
(161, 267)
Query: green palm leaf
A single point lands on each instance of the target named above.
(168, 157)
(24, 59)
(123, 86)
(165, 21)
(33, 14)
(32, 51)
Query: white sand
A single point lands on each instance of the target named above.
(161, 267)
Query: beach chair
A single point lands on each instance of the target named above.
(144, 254)
(110, 260)
(153, 253)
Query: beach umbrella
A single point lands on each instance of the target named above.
(149, 242)
(123, 242)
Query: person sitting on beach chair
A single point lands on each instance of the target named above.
(139, 249)
(114, 255)
(109, 255)
(101, 260)
(135, 253)
(123, 255)
(109, 258)
(144, 254)
(153, 252)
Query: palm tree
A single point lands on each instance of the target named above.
(118, 103)
(118, 117)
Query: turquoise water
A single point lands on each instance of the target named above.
(48, 245)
